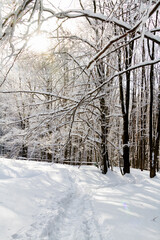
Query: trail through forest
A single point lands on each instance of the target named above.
(53, 202)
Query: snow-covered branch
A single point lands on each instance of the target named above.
(140, 65)
(41, 93)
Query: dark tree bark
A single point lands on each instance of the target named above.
(157, 140)
(125, 103)
(152, 159)
(142, 118)
(68, 150)
(104, 133)
(102, 73)
(133, 124)
(24, 149)
(125, 113)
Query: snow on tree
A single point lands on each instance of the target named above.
(88, 95)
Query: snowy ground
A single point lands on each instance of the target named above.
(40, 201)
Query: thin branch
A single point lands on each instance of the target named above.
(10, 68)
(41, 93)
(143, 64)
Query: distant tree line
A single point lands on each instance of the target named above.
(94, 98)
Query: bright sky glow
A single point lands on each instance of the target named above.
(66, 4)
(39, 43)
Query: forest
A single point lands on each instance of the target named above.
(80, 82)
(79, 119)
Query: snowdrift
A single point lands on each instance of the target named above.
(42, 201)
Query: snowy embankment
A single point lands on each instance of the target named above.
(40, 201)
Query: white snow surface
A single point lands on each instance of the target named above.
(42, 201)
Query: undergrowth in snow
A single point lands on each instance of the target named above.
(41, 201)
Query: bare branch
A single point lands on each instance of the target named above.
(41, 93)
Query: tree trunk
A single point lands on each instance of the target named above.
(125, 113)
(151, 157)
(24, 151)
(142, 118)
(126, 168)
(104, 132)
(151, 150)
(133, 125)
(157, 140)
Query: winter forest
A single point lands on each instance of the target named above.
(79, 85)
(80, 82)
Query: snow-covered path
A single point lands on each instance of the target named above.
(40, 201)
(78, 220)
(74, 218)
